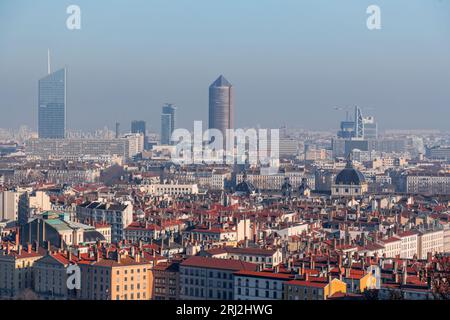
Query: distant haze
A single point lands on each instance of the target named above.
(290, 61)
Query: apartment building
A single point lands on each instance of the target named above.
(265, 257)
(16, 268)
(274, 181)
(392, 247)
(117, 276)
(409, 243)
(430, 241)
(166, 281)
(170, 189)
(315, 289)
(204, 278)
(117, 215)
(260, 285)
(50, 276)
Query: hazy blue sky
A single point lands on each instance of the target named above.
(290, 61)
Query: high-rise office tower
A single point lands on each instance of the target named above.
(138, 126)
(52, 104)
(221, 105)
(117, 130)
(370, 128)
(168, 122)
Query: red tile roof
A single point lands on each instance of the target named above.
(268, 275)
(214, 263)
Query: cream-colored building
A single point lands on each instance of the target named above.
(50, 277)
(410, 241)
(447, 237)
(16, 269)
(392, 247)
(430, 242)
(274, 181)
(40, 201)
(9, 205)
(170, 189)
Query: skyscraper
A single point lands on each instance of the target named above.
(370, 128)
(138, 126)
(52, 104)
(221, 105)
(168, 122)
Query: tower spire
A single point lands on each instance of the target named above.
(48, 61)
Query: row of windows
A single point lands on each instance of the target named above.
(202, 273)
(264, 293)
(266, 283)
(200, 293)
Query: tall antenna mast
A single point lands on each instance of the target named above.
(48, 62)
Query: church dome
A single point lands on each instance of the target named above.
(245, 187)
(350, 176)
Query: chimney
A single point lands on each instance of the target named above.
(19, 249)
(7, 248)
(347, 272)
(69, 255)
(404, 275)
(301, 270)
(36, 245)
(137, 257)
(17, 239)
(29, 247)
(117, 256)
(312, 263)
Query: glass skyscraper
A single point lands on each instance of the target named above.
(52, 106)
(168, 117)
(138, 126)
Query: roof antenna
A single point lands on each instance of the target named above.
(48, 61)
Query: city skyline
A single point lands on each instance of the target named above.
(345, 60)
(233, 158)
